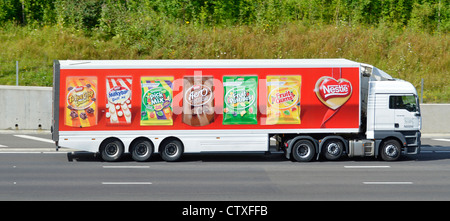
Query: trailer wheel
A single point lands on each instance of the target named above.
(171, 150)
(390, 150)
(141, 150)
(303, 151)
(333, 149)
(111, 150)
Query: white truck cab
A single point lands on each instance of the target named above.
(392, 112)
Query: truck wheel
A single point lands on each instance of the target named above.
(390, 150)
(111, 150)
(303, 151)
(141, 150)
(171, 150)
(333, 149)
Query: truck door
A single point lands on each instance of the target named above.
(384, 116)
(406, 112)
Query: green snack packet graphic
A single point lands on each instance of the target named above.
(156, 103)
(240, 100)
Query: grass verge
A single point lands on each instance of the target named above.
(405, 54)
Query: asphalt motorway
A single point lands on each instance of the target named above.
(31, 169)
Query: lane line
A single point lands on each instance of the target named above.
(126, 183)
(388, 183)
(31, 152)
(435, 151)
(34, 138)
(3, 145)
(365, 167)
(14, 152)
(126, 167)
(446, 140)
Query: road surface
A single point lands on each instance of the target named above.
(31, 169)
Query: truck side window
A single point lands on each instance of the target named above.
(407, 102)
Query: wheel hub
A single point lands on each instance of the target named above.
(391, 151)
(171, 149)
(141, 150)
(333, 149)
(303, 150)
(112, 149)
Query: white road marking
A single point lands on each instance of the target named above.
(126, 167)
(365, 167)
(435, 151)
(446, 140)
(389, 183)
(3, 145)
(18, 152)
(31, 152)
(126, 183)
(35, 138)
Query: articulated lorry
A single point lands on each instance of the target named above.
(308, 108)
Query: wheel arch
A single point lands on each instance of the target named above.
(135, 140)
(383, 136)
(107, 140)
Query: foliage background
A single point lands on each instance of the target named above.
(406, 38)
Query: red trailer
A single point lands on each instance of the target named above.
(308, 107)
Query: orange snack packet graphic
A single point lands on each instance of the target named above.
(283, 99)
(81, 102)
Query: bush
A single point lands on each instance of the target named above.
(87, 15)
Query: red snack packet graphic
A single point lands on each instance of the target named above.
(118, 105)
(81, 102)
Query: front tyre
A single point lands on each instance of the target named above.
(390, 150)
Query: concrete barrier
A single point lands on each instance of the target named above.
(435, 118)
(25, 108)
(30, 108)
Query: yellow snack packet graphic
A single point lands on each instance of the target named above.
(283, 99)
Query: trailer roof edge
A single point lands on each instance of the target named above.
(212, 63)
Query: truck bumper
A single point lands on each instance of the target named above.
(413, 143)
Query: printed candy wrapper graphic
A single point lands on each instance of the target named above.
(156, 106)
(240, 100)
(118, 104)
(81, 102)
(198, 100)
(283, 99)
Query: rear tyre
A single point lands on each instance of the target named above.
(172, 150)
(142, 150)
(391, 150)
(111, 150)
(303, 151)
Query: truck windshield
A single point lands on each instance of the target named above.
(408, 102)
